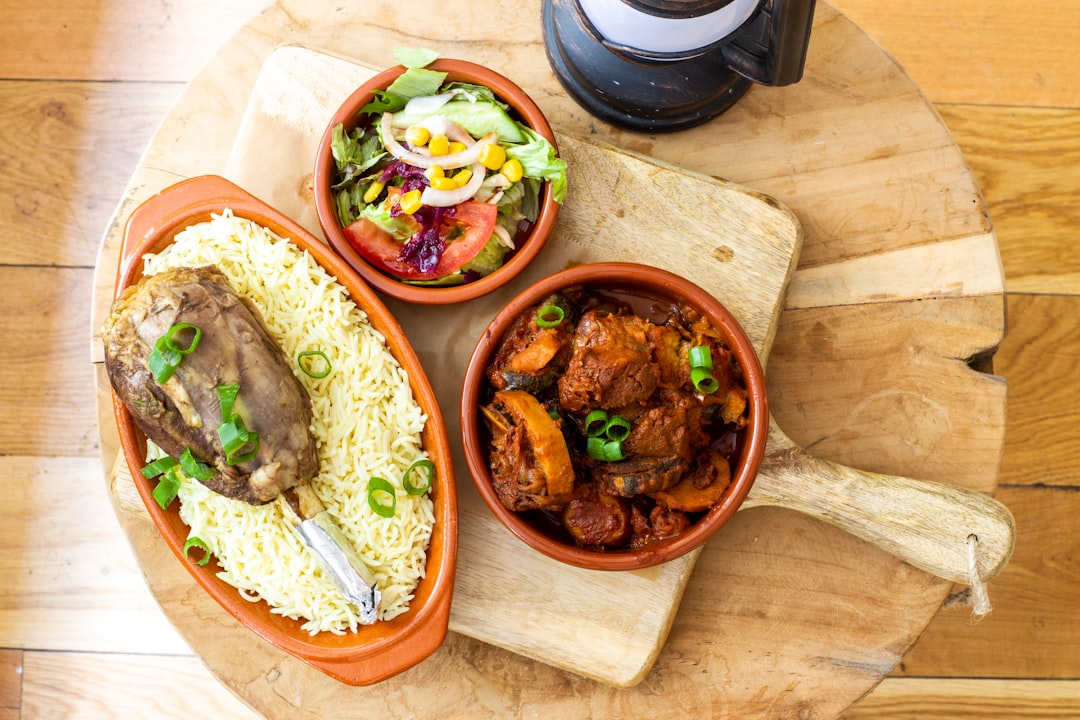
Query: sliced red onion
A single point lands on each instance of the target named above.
(440, 125)
(492, 188)
(504, 236)
(468, 156)
(446, 198)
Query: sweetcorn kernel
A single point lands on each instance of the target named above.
(462, 177)
(492, 156)
(417, 136)
(439, 145)
(373, 190)
(443, 183)
(410, 202)
(512, 170)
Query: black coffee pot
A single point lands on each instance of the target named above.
(666, 65)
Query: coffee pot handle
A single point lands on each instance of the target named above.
(771, 49)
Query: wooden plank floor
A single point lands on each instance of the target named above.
(82, 87)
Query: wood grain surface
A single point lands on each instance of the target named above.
(889, 217)
(83, 88)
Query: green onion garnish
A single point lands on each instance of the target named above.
(381, 497)
(309, 368)
(703, 380)
(195, 468)
(598, 424)
(700, 357)
(197, 543)
(163, 361)
(168, 352)
(550, 316)
(414, 488)
(616, 428)
(227, 398)
(167, 488)
(599, 448)
(595, 422)
(157, 467)
(239, 443)
(172, 344)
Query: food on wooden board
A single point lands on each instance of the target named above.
(438, 182)
(282, 421)
(615, 414)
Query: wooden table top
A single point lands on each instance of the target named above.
(65, 610)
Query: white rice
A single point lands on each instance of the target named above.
(366, 423)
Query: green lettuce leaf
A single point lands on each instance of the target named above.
(538, 159)
(417, 82)
(489, 259)
(379, 214)
(415, 57)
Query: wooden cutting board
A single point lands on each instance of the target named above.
(619, 206)
(898, 283)
(739, 245)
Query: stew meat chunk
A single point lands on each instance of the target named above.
(549, 379)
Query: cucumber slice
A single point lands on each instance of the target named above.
(454, 278)
(478, 118)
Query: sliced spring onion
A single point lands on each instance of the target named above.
(167, 488)
(195, 468)
(604, 450)
(703, 380)
(700, 357)
(157, 467)
(168, 350)
(187, 329)
(197, 543)
(227, 398)
(595, 422)
(613, 451)
(550, 316)
(239, 443)
(163, 361)
(381, 497)
(414, 471)
(598, 424)
(616, 428)
(314, 369)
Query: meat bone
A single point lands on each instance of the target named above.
(320, 532)
(953, 532)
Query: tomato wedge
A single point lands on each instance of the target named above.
(475, 220)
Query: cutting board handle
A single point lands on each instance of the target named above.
(955, 533)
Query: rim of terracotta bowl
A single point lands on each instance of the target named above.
(375, 652)
(347, 115)
(647, 280)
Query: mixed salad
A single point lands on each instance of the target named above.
(437, 183)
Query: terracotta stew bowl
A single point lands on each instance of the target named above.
(647, 287)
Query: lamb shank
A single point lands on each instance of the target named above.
(185, 411)
(235, 349)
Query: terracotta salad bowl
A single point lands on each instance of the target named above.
(509, 121)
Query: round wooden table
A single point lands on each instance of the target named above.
(895, 309)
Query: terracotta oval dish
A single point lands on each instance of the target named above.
(374, 652)
(521, 108)
(541, 529)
